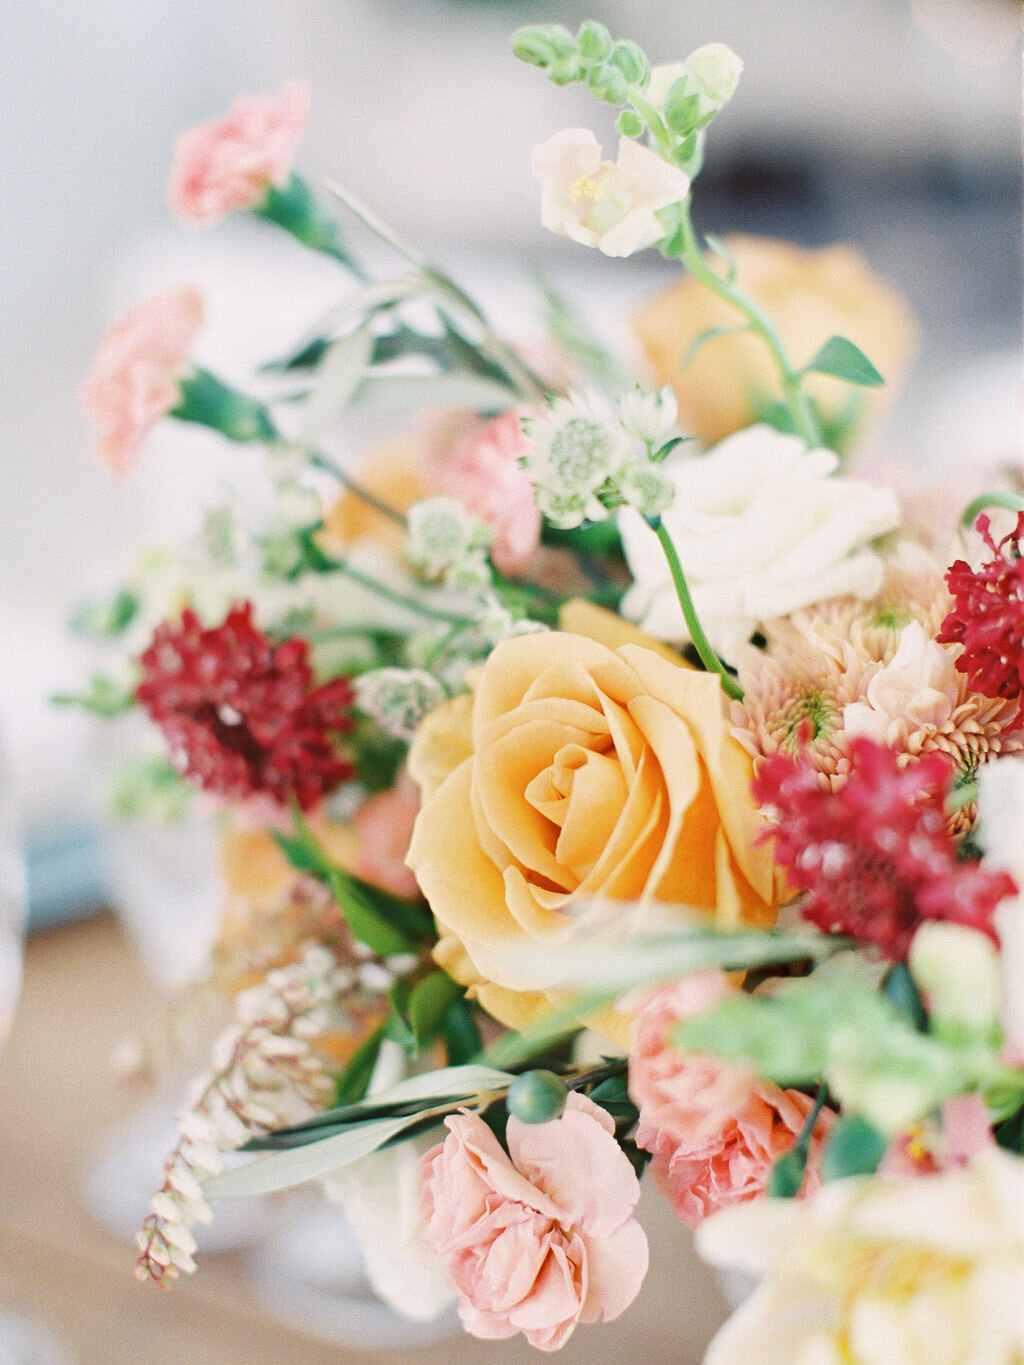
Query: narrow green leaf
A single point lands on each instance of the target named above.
(840, 358)
(105, 618)
(338, 376)
(461, 1034)
(855, 1147)
(682, 106)
(787, 1174)
(104, 697)
(282, 1170)
(387, 393)
(351, 1085)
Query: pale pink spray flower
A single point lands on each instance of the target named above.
(231, 162)
(482, 471)
(540, 1237)
(135, 377)
(714, 1129)
(384, 825)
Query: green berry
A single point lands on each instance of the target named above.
(536, 1097)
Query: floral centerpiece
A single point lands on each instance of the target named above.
(592, 798)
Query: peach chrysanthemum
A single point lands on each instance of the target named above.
(847, 667)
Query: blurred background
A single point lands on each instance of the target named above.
(893, 124)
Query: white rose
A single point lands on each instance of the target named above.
(1001, 835)
(763, 526)
(612, 205)
(924, 1270)
(380, 1195)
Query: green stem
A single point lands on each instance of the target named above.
(1012, 502)
(321, 462)
(804, 418)
(317, 562)
(700, 641)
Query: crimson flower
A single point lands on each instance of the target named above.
(988, 615)
(240, 713)
(876, 857)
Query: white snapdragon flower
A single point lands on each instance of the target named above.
(612, 205)
(398, 698)
(1001, 835)
(923, 1270)
(762, 526)
(444, 540)
(712, 73)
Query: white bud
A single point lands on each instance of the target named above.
(717, 69)
(956, 969)
(649, 415)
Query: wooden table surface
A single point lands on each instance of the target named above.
(84, 991)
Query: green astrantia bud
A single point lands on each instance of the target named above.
(594, 41)
(631, 61)
(537, 1097)
(608, 83)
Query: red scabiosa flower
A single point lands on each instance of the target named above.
(876, 858)
(240, 712)
(988, 615)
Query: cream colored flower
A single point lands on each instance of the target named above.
(612, 205)
(923, 1270)
(917, 691)
(763, 526)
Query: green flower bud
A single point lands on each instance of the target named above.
(608, 83)
(565, 70)
(683, 106)
(718, 70)
(537, 1097)
(532, 44)
(630, 124)
(594, 41)
(631, 61)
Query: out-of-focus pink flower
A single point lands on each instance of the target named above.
(482, 471)
(134, 379)
(384, 827)
(714, 1129)
(229, 163)
(539, 1238)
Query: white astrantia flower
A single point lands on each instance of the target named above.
(649, 414)
(579, 445)
(1000, 831)
(879, 1270)
(612, 205)
(647, 488)
(762, 526)
(398, 698)
(444, 540)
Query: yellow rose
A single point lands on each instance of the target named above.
(809, 296)
(578, 771)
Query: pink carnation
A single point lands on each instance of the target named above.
(384, 826)
(541, 1239)
(135, 378)
(230, 163)
(714, 1129)
(482, 471)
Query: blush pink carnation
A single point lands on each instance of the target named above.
(135, 377)
(540, 1237)
(230, 163)
(714, 1129)
(482, 471)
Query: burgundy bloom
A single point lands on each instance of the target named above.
(988, 615)
(240, 713)
(876, 858)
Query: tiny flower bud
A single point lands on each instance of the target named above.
(608, 83)
(717, 68)
(594, 41)
(537, 1097)
(630, 60)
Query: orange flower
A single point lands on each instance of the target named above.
(809, 295)
(578, 772)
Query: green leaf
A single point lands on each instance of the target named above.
(351, 1085)
(682, 106)
(338, 376)
(410, 392)
(461, 1033)
(105, 618)
(787, 1174)
(899, 989)
(843, 360)
(149, 785)
(104, 697)
(429, 1002)
(282, 1170)
(854, 1147)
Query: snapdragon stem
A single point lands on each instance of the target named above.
(318, 562)
(804, 419)
(346, 480)
(700, 641)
